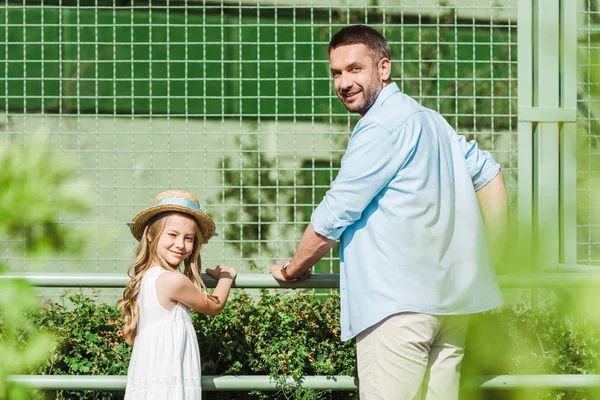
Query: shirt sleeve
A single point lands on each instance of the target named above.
(482, 166)
(372, 159)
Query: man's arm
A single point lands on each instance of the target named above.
(311, 249)
(482, 166)
(372, 159)
(493, 203)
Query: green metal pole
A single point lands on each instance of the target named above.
(333, 382)
(568, 143)
(525, 133)
(510, 382)
(209, 383)
(547, 116)
(112, 280)
(585, 277)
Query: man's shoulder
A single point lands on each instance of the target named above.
(395, 112)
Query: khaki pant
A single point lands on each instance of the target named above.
(411, 356)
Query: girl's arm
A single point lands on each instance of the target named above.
(129, 335)
(180, 289)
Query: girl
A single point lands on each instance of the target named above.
(165, 362)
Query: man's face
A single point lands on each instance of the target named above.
(357, 77)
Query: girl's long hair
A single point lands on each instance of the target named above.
(146, 255)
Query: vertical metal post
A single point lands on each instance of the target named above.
(547, 100)
(525, 133)
(568, 144)
(546, 93)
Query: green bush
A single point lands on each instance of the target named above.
(299, 335)
(276, 335)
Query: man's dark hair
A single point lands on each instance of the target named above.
(361, 34)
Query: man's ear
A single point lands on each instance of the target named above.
(385, 69)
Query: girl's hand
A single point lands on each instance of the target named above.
(222, 272)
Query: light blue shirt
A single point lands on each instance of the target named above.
(404, 207)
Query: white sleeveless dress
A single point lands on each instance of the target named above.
(165, 362)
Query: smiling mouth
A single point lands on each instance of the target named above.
(351, 95)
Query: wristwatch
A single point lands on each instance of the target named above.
(287, 276)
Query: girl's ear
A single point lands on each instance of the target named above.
(148, 237)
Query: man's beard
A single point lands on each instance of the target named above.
(369, 97)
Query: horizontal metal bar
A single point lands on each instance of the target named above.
(111, 280)
(550, 280)
(322, 382)
(534, 382)
(547, 114)
(330, 281)
(570, 268)
(209, 382)
(73, 382)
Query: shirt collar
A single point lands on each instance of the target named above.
(383, 96)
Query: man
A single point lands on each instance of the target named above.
(407, 206)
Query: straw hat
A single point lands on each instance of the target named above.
(173, 200)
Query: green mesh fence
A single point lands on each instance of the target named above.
(233, 102)
(588, 128)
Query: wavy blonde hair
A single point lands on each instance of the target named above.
(146, 255)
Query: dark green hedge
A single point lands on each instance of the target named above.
(299, 335)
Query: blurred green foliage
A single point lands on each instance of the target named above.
(556, 336)
(299, 335)
(17, 298)
(39, 187)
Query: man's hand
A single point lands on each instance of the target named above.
(276, 272)
(311, 249)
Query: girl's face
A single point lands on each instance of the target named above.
(176, 240)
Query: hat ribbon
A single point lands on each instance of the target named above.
(178, 201)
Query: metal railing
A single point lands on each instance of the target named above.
(324, 382)
(316, 281)
(329, 382)
(116, 280)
